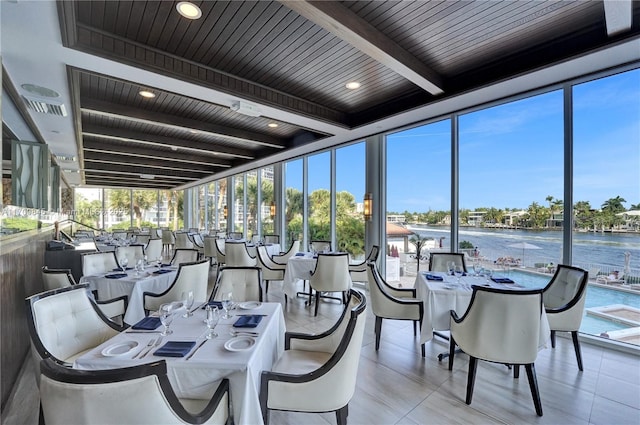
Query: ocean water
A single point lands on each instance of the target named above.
(606, 249)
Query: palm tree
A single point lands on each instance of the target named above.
(614, 205)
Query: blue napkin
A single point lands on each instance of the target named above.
(148, 323)
(299, 254)
(502, 280)
(117, 269)
(166, 265)
(175, 349)
(248, 321)
(162, 271)
(213, 303)
(433, 276)
(116, 275)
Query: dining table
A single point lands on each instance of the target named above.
(441, 293)
(132, 283)
(197, 372)
(299, 268)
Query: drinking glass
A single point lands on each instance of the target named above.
(166, 317)
(451, 267)
(213, 316)
(457, 270)
(227, 302)
(123, 263)
(488, 274)
(187, 301)
(476, 269)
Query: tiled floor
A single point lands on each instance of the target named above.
(397, 386)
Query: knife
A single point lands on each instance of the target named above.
(196, 349)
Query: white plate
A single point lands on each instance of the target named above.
(120, 349)
(250, 305)
(240, 343)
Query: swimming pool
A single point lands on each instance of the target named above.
(596, 297)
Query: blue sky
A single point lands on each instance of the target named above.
(510, 155)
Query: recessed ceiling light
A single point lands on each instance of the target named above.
(272, 125)
(147, 94)
(189, 10)
(193, 131)
(174, 148)
(352, 85)
(147, 176)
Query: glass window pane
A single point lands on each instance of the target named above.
(294, 203)
(118, 202)
(145, 206)
(511, 182)
(319, 199)
(172, 209)
(88, 207)
(221, 205)
(252, 203)
(350, 187)
(238, 225)
(267, 200)
(606, 188)
(211, 206)
(418, 195)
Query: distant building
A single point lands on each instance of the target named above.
(476, 218)
(396, 218)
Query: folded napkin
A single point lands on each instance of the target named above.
(213, 303)
(502, 280)
(300, 254)
(175, 349)
(166, 265)
(117, 269)
(162, 271)
(148, 323)
(248, 321)
(433, 276)
(116, 275)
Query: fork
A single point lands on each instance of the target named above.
(148, 347)
(249, 333)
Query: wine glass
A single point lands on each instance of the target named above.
(159, 261)
(146, 260)
(457, 270)
(227, 302)
(166, 317)
(213, 316)
(451, 267)
(187, 301)
(123, 263)
(489, 274)
(476, 268)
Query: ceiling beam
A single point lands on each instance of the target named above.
(343, 23)
(127, 170)
(160, 119)
(132, 136)
(618, 16)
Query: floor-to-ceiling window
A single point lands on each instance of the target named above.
(511, 182)
(319, 196)
(293, 203)
(221, 205)
(350, 187)
(145, 208)
(118, 204)
(267, 199)
(252, 203)
(418, 195)
(239, 203)
(88, 207)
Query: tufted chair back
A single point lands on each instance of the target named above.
(190, 277)
(133, 253)
(243, 282)
(64, 323)
(183, 242)
(138, 394)
(320, 246)
(98, 262)
(331, 273)
(154, 249)
(181, 256)
(236, 255)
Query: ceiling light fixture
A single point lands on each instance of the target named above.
(189, 10)
(352, 85)
(147, 176)
(147, 94)
(272, 125)
(174, 148)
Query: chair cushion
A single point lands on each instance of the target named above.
(298, 362)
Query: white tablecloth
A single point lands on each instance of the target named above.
(133, 286)
(299, 268)
(439, 297)
(199, 376)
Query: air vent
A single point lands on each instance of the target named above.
(45, 106)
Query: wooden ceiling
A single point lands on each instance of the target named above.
(294, 57)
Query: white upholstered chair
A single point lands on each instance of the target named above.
(98, 262)
(132, 253)
(182, 256)
(197, 242)
(237, 255)
(564, 298)
(320, 246)
(242, 282)
(283, 258)
(190, 277)
(168, 240)
(270, 269)
(501, 326)
(183, 241)
(220, 253)
(235, 235)
(65, 323)
(317, 373)
(330, 275)
(209, 249)
(114, 308)
(153, 249)
(386, 306)
(359, 271)
(133, 395)
(271, 239)
(142, 239)
(438, 261)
